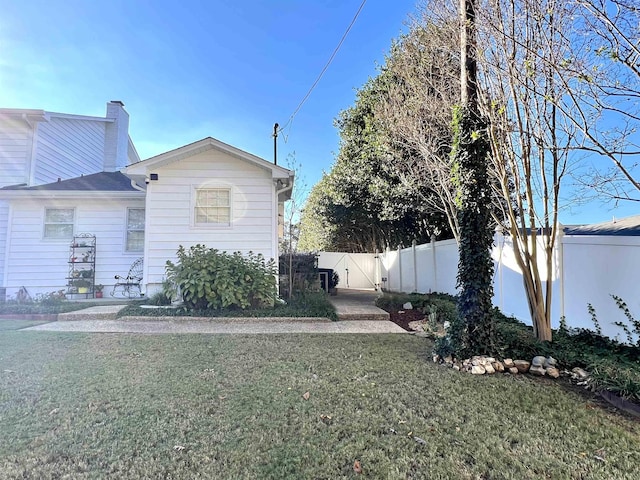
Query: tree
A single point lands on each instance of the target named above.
(361, 205)
(421, 73)
(602, 76)
(470, 157)
(531, 134)
(291, 220)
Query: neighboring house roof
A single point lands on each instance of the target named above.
(629, 226)
(203, 145)
(114, 182)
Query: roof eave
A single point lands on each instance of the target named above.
(27, 194)
(141, 168)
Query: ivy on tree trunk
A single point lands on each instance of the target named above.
(475, 267)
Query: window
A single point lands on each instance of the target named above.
(58, 223)
(213, 206)
(135, 230)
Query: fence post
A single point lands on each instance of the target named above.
(435, 264)
(376, 272)
(560, 240)
(415, 266)
(400, 267)
(388, 267)
(499, 238)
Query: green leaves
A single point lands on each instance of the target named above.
(474, 332)
(210, 279)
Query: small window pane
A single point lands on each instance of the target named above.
(59, 215)
(135, 230)
(135, 241)
(58, 231)
(58, 223)
(213, 206)
(136, 218)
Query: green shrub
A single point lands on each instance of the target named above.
(209, 279)
(620, 378)
(308, 304)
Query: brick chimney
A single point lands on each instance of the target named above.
(116, 137)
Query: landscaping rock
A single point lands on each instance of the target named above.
(550, 362)
(448, 359)
(579, 373)
(489, 369)
(436, 358)
(489, 360)
(456, 368)
(417, 325)
(553, 372)
(513, 370)
(498, 367)
(407, 306)
(538, 361)
(522, 365)
(508, 363)
(478, 370)
(537, 370)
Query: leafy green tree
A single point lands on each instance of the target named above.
(362, 204)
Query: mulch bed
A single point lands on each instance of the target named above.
(403, 319)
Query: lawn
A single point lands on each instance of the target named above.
(203, 406)
(16, 324)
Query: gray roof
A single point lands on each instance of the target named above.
(99, 182)
(629, 227)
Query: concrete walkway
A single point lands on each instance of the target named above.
(358, 305)
(212, 326)
(356, 310)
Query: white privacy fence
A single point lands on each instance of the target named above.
(587, 269)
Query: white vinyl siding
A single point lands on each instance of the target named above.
(212, 206)
(58, 223)
(135, 230)
(170, 210)
(68, 148)
(15, 150)
(4, 219)
(41, 265)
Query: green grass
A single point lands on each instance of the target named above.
(10, 324)
(116, 406)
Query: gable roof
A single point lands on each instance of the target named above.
(203, 145)
(629, 226)
(113, 182)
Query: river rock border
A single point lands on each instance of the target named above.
(485, 365)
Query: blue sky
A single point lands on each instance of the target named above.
(191, 69)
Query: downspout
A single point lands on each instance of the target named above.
(145, 249)
(275, 209)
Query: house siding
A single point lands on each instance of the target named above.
(68, 148)
(169, 205)
(41, 265)
(4, 218)
(15, 149)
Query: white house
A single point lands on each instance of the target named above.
(209, 193)
(67, 174)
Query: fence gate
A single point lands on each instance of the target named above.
(356, 270)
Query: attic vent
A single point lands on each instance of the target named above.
(59, 179)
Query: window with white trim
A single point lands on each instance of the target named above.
(58, 223)
(212, 206)
(135, 230)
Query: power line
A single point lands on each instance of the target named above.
(325, 67)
